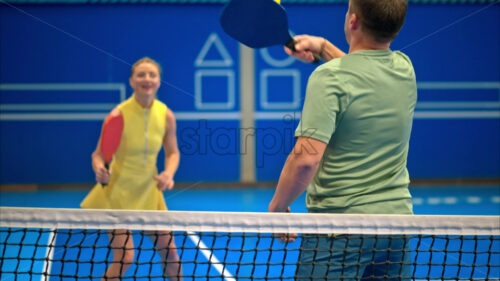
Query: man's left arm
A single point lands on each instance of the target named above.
(298, 171)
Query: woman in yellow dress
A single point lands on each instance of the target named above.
(133, 181)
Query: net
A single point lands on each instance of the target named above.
(76, 244)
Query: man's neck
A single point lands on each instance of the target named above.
(364, 43)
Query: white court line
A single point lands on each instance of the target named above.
(226, 116)
(50, 256)
(52, 116)
(47, 263)
(457, 114)
(473, 199)
(493, 106)
(120, 87)
(285, 116)
(65, 87)
(187, 115)
(56, 106)
(210, 257)
(459, 85)
(461, 105)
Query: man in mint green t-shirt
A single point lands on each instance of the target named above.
(353, 136)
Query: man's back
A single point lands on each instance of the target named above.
(361, 105)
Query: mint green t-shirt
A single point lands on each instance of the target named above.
(362, 106)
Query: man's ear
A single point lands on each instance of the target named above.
(354, 21)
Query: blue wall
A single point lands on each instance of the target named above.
(62, 67)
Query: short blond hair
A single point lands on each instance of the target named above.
(145, 60)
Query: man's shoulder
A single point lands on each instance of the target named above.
(330, 65)
(361, 61)
(338, 65)
(402, 56)
(329, 68)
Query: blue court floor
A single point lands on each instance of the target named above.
(437, 200)
(441, 200)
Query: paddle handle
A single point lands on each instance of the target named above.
(291, 45)
(106, 165)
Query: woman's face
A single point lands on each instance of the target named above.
(146, 79)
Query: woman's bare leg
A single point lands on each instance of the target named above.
(165, 245)
(122, 244)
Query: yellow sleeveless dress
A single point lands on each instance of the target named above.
(132, 185)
